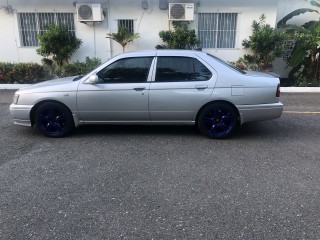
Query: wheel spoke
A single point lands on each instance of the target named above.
(214, 128)
(216, 112)
(226, 119)
(208, 120)
(44, 117)
(60, 118)
(51, 113)
(58, 127)
(218, 128)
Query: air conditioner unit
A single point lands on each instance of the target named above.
(90, 12)
(181, 11)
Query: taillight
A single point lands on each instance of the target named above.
(278, 91)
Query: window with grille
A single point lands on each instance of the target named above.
(32, 24)
(126, 23)
(217, 30)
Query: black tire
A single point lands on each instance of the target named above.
(217, 120)
(54, 119)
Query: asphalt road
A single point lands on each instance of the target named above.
(129, 182)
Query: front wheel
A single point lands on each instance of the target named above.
(54, 119)
(217, 120)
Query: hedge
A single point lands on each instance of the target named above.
(33, 72)
(22, 73)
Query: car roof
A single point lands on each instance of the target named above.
(162, 52)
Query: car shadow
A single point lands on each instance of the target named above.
(253, 130)
(264, 129)
(97, 130)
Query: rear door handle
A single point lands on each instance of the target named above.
(139, 89)
(201, 87)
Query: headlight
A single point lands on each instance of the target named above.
(15, 98)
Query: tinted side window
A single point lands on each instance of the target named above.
(127, 70)
(180, 69)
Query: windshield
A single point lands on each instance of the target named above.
(227, 64)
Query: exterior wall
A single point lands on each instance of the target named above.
(248, 11)
(94, 43)
(9, 38)
(148, 23)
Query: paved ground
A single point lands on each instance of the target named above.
(163, 182)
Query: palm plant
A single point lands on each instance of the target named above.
(123, 37)
(304, 57)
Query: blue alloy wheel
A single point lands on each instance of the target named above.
(54, 119)
(217, 120)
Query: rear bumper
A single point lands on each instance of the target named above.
(251, 113)
(21, 114)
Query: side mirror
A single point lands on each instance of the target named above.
(93, 79)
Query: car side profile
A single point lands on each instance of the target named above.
(152, 87)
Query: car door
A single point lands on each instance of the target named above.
(181, 85)
(121, 93)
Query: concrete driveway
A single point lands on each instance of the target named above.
(147, 182)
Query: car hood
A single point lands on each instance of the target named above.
(61, 84)
(262, 74)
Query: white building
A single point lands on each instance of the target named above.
(221, 25)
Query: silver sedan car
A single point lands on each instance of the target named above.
(152, 87)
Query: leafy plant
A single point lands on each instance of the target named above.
(181, 38)
(265, 44)
(304, 58)
(56, 42)
(123, 37)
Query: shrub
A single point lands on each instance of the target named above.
(58, 43)
(79, 68)
(265, 44)
(21, 73)
(181, 38)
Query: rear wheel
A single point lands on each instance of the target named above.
(217, 120)
(54, 119)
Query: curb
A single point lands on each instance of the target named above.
(283, 89)
(12, 86)
(300, 89)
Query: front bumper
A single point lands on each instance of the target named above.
(21, 114)
(260, 112)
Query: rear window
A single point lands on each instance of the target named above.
(227, 64)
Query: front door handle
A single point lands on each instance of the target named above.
(201, 87)
(139, 89)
